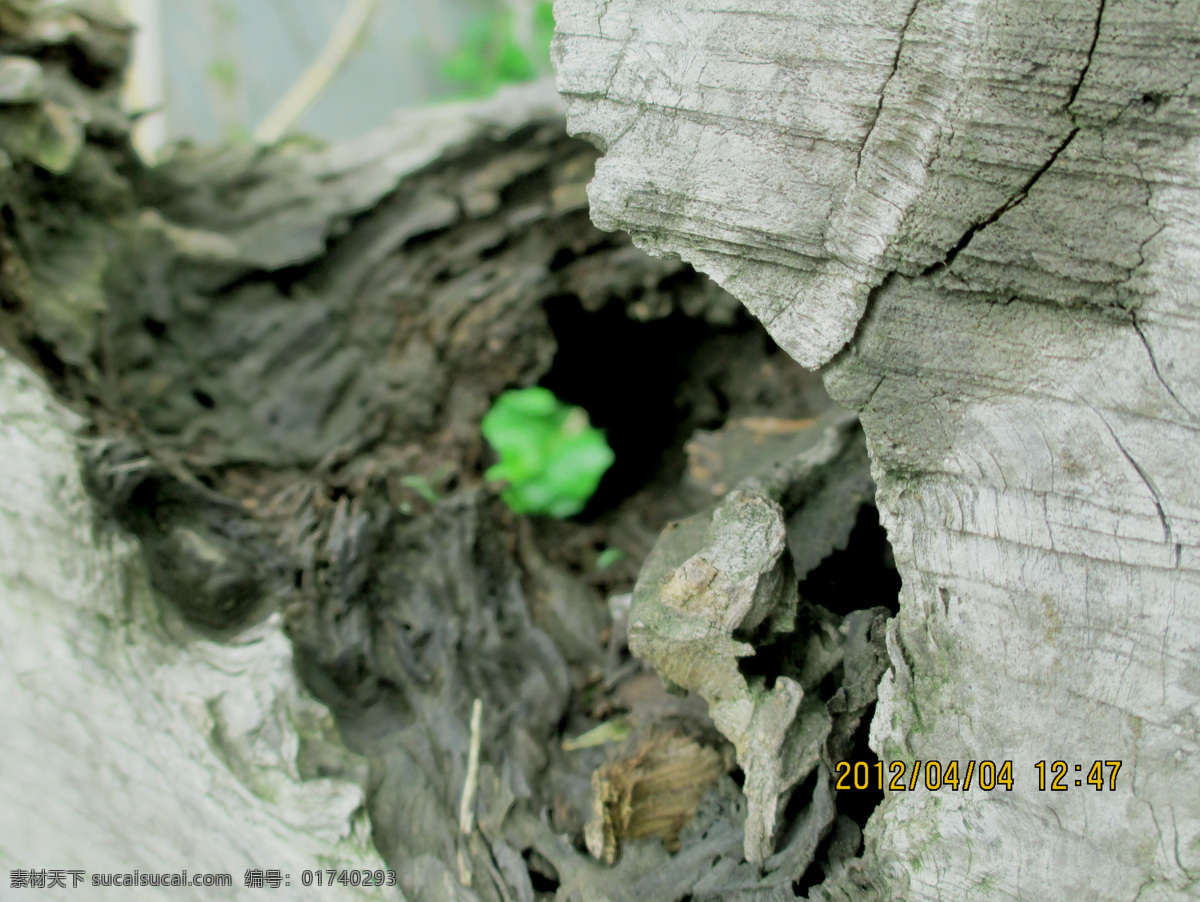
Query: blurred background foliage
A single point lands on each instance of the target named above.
(499, 49)
(214, 70)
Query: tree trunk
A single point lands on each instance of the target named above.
(976, 218)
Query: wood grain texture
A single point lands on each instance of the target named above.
(126, 749)
(978, 218)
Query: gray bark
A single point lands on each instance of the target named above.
(130, 743)
(977, 218)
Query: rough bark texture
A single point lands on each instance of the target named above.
(977, 216)
(129, 743)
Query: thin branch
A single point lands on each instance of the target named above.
(296, 102)
(144, 91)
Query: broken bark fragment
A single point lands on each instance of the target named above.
(722, 583)
(652, 792)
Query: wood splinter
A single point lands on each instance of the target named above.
(466, 809)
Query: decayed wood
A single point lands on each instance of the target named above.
(722, 584)
(129, 743)
(975, 216)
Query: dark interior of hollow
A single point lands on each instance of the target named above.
(862, 574)
(856, 804)
(626, 374)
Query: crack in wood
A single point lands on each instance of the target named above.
(1015, 200)
(1087, 63)
(1154, 365)
(1023, 192)
(883, 89)
(1168, 536)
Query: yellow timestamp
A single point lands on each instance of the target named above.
(929, 775)
(1061, 775)
(935, 776)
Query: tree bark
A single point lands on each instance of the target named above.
(133, 747)
(974, 217)
(130, 745)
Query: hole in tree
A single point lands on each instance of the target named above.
(861, 575)
(542, 874)
(626, 374)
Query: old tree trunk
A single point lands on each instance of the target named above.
(978, 219)
(975, 219)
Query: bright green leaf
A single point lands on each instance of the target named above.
(551, 457)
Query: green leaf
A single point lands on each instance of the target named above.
(513, 64)
(608, 557)
(551, 457)
(543, 29)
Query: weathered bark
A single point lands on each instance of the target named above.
(975, 217)
(128, 743)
